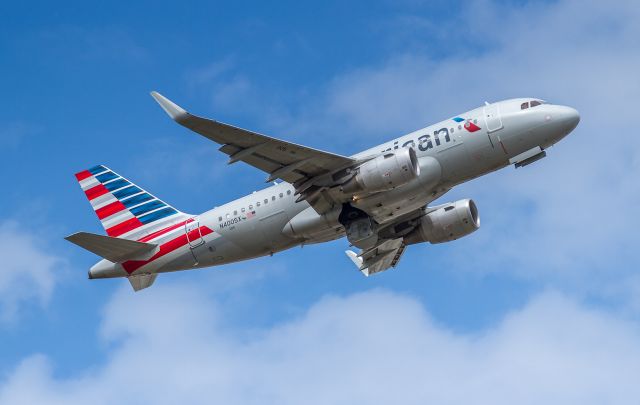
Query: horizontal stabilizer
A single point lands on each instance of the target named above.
(142, 281)
(115, 250)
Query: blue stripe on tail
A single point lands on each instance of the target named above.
(154, 216)
(144, 208)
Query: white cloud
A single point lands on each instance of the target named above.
(173, 344)
(27, 271)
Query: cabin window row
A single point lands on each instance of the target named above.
(243, 209)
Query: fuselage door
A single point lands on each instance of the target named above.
(194, 236)
(492, 118)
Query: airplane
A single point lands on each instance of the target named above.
(379, 198)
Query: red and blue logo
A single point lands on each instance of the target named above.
(468, 125)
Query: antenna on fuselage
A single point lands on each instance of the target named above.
(487, 103)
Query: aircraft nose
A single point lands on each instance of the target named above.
(568, 117)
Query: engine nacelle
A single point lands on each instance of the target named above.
(445, 224)
(385, 172)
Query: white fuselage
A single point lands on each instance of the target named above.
(259, 224)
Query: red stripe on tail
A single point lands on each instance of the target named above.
(110, 209)
(85, 174)
(124, 227)
(95, 192)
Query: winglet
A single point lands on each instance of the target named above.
(172, 109)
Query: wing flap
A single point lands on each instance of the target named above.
(379, 258)
(115, 250)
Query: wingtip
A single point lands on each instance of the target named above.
(172, 109)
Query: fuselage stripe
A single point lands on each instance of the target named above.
(166, 248)
(164, 231)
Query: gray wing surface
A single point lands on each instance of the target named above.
(280, 159)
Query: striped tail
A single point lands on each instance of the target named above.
(125, 210)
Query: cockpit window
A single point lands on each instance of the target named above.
(524, 106)
(535, 103)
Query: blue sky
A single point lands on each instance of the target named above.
(542, 301)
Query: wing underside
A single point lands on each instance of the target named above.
(379, 258)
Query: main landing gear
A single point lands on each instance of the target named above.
(360, 228)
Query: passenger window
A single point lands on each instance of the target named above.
(524, 106)
(288, 192)
(235, 212)
(535, 103)
(242, 209)
(281, 195)
(266, 200)
(273, 198)
(219, 219)
(258, 204)
(228, 216)
(250, 206)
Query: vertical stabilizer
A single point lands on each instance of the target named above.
(124, 209)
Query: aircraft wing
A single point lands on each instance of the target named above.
(307, 168)
(379, 258)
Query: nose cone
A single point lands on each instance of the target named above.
(566, 117)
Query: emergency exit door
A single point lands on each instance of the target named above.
(194, 236)
(492, 118)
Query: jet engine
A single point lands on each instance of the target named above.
(385, 172)
(447, 223)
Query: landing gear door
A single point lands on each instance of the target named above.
(492, 118)
(194, 236)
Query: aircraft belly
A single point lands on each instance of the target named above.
(271, 228)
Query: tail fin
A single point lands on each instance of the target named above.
(125, 210)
